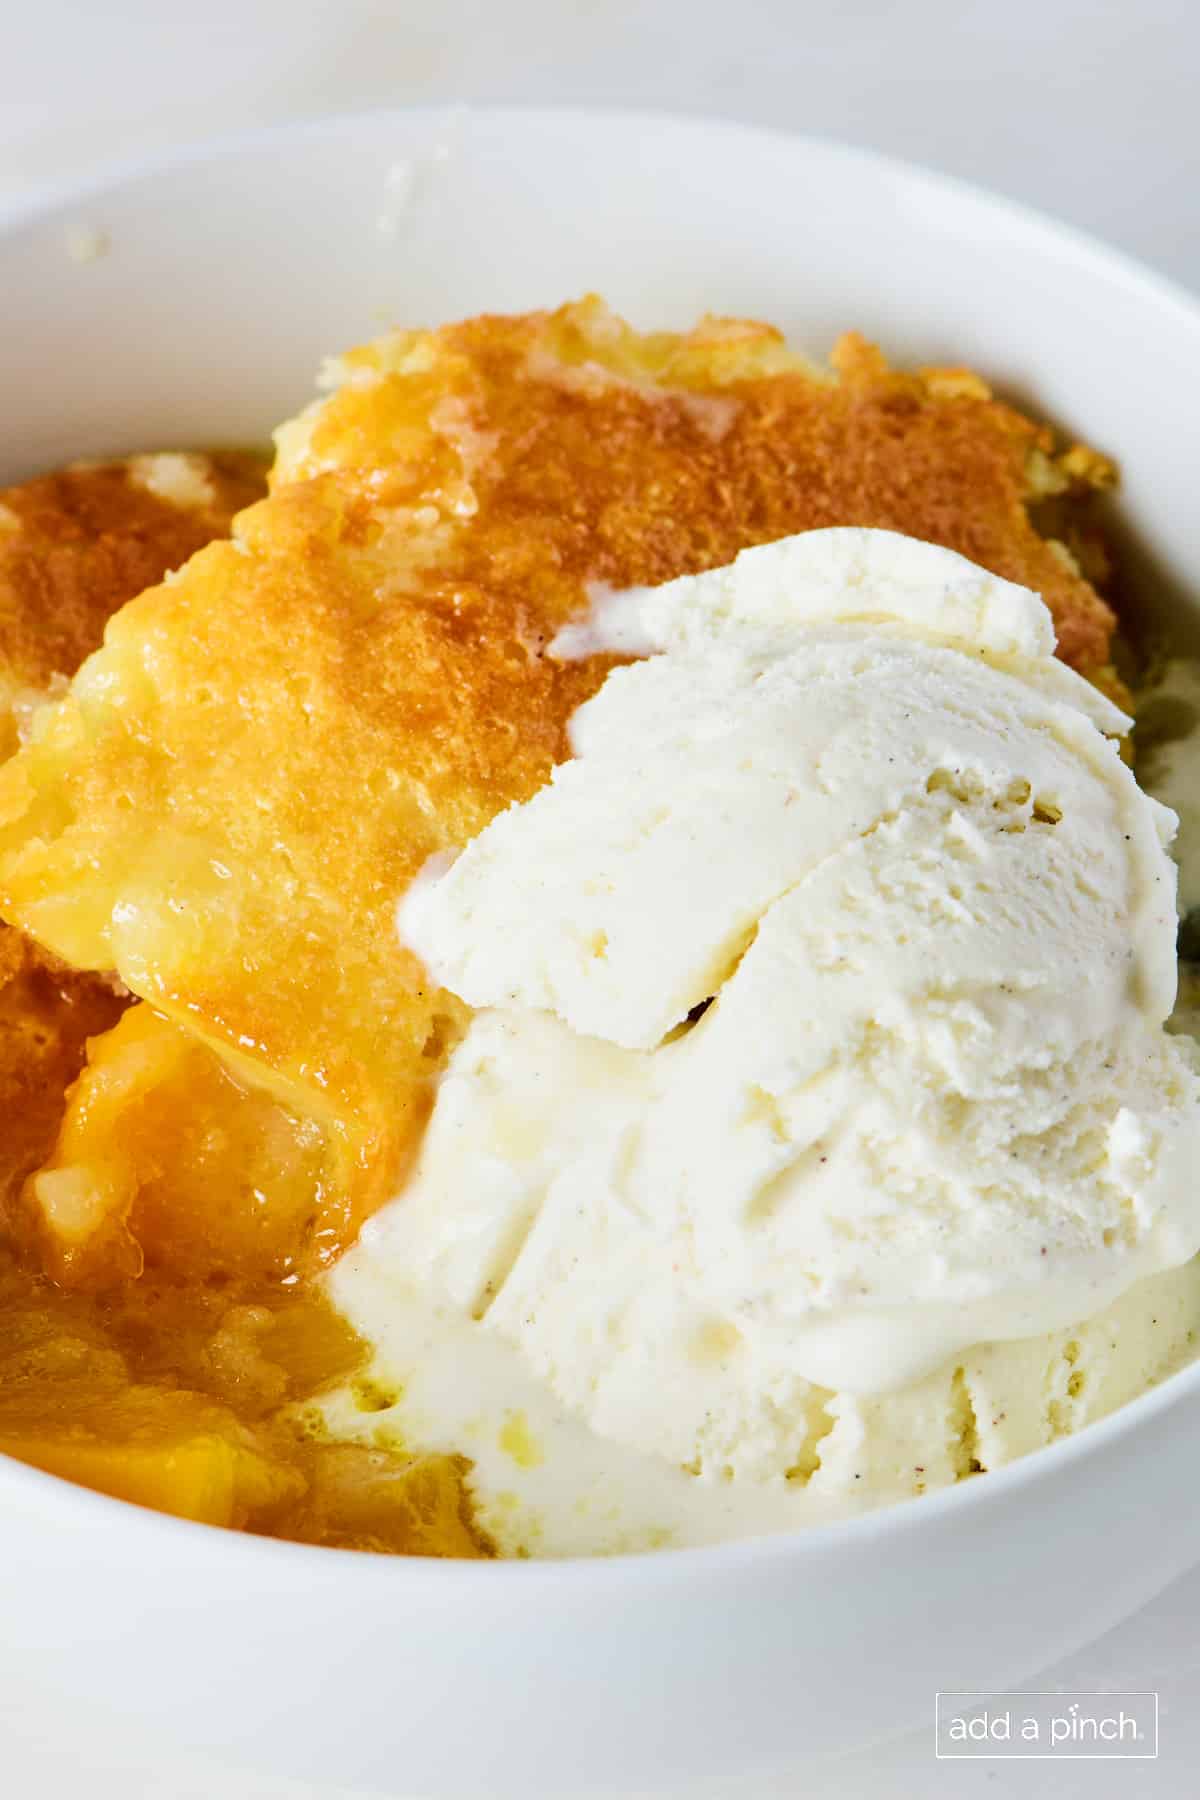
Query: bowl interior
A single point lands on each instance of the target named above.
(190, 302)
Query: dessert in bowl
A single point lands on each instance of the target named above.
(736, 1074)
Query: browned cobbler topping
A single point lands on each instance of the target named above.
(167, 1389)
(77, 544)
(74, 547)
(268, 746)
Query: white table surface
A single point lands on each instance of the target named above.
(1085, 109)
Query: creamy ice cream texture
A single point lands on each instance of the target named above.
(818, 1088)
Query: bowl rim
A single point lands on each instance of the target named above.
(667, 1567)
(44, 200)
(670, 1566)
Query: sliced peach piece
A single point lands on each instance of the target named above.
(207, 1477)
(364, 1499)
(165, 1161)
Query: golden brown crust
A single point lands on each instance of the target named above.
(77, 544)
(936, 456)
(579, 429)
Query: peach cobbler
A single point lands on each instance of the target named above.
(245, 709)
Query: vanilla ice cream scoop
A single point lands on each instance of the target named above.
(821, 1002)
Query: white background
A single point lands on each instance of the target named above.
(1086, 109)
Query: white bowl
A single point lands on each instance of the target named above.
(229, 272)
